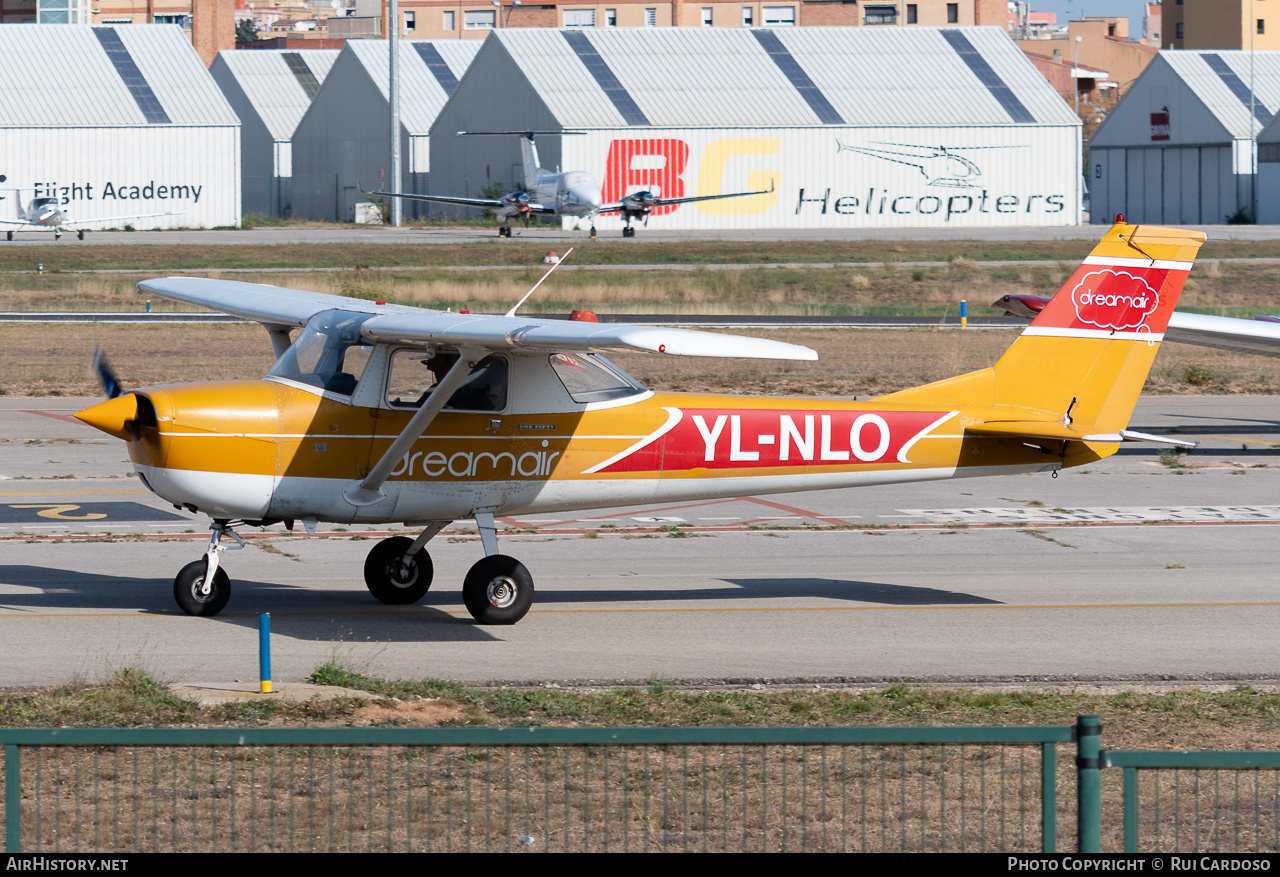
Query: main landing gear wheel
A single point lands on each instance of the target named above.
(80, 234)
(504, 232)
(628, 231)
(498, 590)
(390, 579)
(188, 590)
(10, 235)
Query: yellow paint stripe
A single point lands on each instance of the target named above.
(1233, 438)
(67, 492)
(463, 613)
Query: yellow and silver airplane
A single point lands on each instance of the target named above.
(379, 413)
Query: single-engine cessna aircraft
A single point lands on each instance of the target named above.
(48, 214)
(1260, 335)
(550, 193)
(379, 413)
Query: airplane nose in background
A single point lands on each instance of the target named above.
(587, 196)
(111, 416)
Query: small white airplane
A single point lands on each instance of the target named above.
(49, 214)
(552, 193)
(380, 413)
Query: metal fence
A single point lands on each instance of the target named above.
(543, 789)
(1200, 801)
(629, 789)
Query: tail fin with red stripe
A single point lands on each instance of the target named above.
(1082, 362)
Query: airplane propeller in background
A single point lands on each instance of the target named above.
(106, 376)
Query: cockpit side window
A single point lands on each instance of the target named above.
(415, 374)
(329, 354)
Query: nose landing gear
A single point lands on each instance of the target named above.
(201, 587)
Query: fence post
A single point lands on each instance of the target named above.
(12, 800)
(1089, 762)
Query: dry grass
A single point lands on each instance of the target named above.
(43, 360)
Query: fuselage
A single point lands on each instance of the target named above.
(278, 449)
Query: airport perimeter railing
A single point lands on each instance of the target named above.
(1199, 801)
(545, 789)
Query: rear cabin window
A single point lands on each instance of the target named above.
(591, 378)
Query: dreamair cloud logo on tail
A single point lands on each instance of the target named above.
(1114, 299)
(728, 439)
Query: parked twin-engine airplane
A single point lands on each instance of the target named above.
(379, 413)
(48, 214)
(551, 193)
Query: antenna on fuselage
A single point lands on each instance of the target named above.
(554, 266)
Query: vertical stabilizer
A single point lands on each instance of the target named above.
(529, 156)
(1086, 356)
(1082, 362)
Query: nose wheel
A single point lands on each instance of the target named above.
(504, 231)
(199, 594)
(395, 576)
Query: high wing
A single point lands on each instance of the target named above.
(487, 203)
(123, 216)
(26, 222)
(653, 202)
(1225, 333)
(277, 307)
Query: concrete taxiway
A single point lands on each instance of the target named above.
(1131, 568)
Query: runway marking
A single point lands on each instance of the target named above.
(1111, 515)
(462, 613)
(1233, 438)
(66, 492)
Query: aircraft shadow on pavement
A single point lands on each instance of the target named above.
(774, 589)
(304, 613)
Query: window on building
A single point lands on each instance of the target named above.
(1178, 30)
(448, 21)
(953, 13)
(881, 14)
(410, 22)
(611, 18)
(651, 18)
(707, 19)
(579, 18)
(748, 16)
(1262, 25)
(185, 20)
(779, 16)
(911, 13)
(478, 19)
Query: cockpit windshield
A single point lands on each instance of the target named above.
(592, 378)
(328, 354)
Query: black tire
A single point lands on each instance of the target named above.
(10, 235)
(186, 590)
(498, 590)
(80, 234)
(386, 580)
(628, 231)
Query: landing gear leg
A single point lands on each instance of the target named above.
(201, 587)
(498, 589)
(398, 571)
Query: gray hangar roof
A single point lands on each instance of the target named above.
(785, 77)
(429, 73)
(279, 84)
(136, 75)
(1207, 94)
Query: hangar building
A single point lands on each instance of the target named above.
(126, 120)
(1178, 148)
(343, 140)
(270, 91)
(839, 127)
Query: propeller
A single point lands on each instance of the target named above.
(106, 376)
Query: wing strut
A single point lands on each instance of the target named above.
(369, 491)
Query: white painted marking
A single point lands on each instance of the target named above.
(1112, 514)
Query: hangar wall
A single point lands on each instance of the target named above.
(104, 172)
